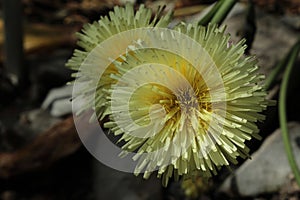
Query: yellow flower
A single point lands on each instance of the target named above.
(119, 20)
(182, 100)
(178, 124)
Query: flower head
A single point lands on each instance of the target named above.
(183, 100)
(119, 20)
(194, 136)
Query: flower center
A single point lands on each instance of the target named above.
(187, 100)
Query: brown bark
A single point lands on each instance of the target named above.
(55, 143)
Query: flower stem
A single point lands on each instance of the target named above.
(222, 12)
(282, 110)
(207, 18)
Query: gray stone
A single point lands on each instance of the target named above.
(268, 170)
(37, 121)
(58, 100)
(112, 184)
(61, 107)
(292, 20)
(273, 37)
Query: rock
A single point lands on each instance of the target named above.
(112, 184)
(273, 38)
(59, 98)
(292, 20)
(37, 121)
(268, 170)
(25, 129)
(61, 107)
(290, 190)
(269, 30)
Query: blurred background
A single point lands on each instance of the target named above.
(41, 156)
